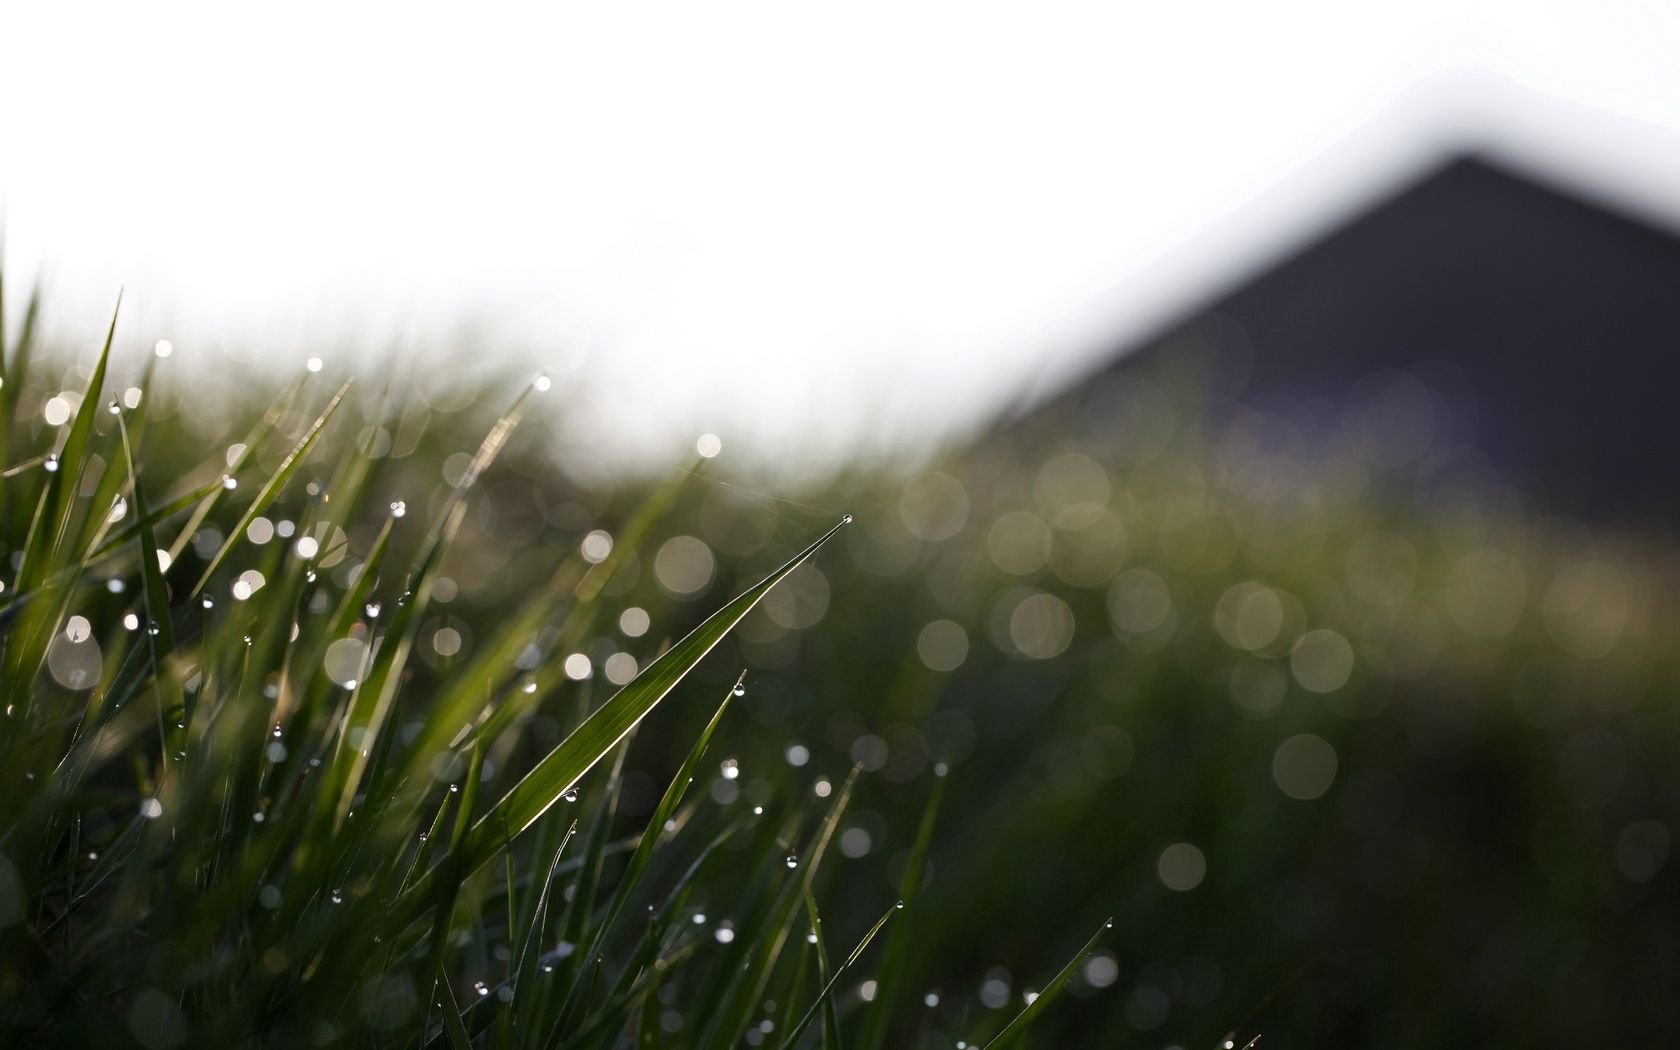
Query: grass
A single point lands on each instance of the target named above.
(237, 808)
(1354, 751)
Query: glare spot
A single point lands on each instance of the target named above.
(1040, 626)
(708, 446)
(596, 546)
(856, 842)
(633, 622)
(684, 566)
(307, 547)
(1181, 867)
(151, 809)
(1101, 970)
(798, 755)
(725, 932)
(1139, 601)
(343, 660)
(163, 348)
(1304, 766)
(578, 667)
(260, 531)
(446, 641)
(1019, 543)
(131, 397)
(620, 668)
(56, 411)
(249, 582)
(542, 382)
(934, 506)
(1322, 661)
(130, 622)
(77, 629)
(314, 364)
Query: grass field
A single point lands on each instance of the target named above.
(345, 714)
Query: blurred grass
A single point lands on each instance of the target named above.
(1352, 749)
(224, 803)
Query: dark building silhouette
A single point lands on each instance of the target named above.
(1548, 326)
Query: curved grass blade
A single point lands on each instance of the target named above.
(895, 955)
(563, 767)
(288, 467)
(1012, 1031)
(825, 998)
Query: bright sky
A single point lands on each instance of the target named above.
(804, 227)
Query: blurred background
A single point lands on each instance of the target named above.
(1256, 423)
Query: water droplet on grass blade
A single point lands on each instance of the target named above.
(542, 382)
(51, 465)
(398, 508)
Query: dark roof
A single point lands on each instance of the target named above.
(1551, 323)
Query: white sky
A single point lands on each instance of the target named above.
(804, 227)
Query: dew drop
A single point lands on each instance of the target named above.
(740, 690)
(529, 687)
(372, 610)
(899, 906)
(207, 602)
(229, 482)
(570, 795)
(481, 988)
(398, 508)
(114, 408)
(51, 465)
(454, 788)
(152, 628)
(845, 519)
(542, 382)
(338, 896)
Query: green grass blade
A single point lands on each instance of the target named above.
(1012, 1031)
(563, 767)
(895, 956)
(277, 481)
(825, 998)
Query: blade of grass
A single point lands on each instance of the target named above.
(1012, 1031)
(277, 481)
(561, 769)
(895, 956)
(825, 998)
